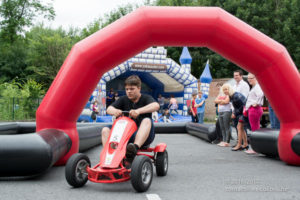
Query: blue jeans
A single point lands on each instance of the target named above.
(275, 123)
(200, 117)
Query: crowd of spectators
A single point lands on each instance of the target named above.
(241, 105)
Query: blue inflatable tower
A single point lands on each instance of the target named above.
(186, 59)
(205, 80)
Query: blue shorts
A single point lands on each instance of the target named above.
(149, 139)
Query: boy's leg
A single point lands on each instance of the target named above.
(143, 132)
(104, 135)
(198, 114)
(201, 116)
(144, 136)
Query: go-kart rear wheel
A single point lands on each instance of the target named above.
(141, 173)
(76, 170)
(162, 163)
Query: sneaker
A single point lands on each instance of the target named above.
(225, 144)
(216, 141)
(250, 151)
(131, 150)
(221, 144)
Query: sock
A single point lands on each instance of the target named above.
(137, 146)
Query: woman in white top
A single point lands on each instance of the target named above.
(251, 114)
(254, 102)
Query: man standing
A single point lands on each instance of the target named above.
(240, 86)
(140, 107)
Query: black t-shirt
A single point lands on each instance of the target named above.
(125, 104)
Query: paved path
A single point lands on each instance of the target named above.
(198, 170)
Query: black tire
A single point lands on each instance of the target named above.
(141, 173)
(162, 163)
(75, 170)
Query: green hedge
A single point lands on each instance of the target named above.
(18, 109)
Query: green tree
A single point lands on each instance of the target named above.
(8, 94)
(176, 2)
(91, 28)
(12, 60)
(279, 19)
(15, 15)
(19, 101)
(10, 89)
(47, 51)
(31, 92)
(117, 13)
(109, 18)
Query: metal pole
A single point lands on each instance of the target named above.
(13, 109)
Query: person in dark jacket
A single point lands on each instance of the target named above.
(238, 101)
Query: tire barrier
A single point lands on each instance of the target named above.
(33, 153)
(90, 135)
(265, 141)
(296, 144)
(25, 153)
(17, 128)
(170, 128)
(204, 131)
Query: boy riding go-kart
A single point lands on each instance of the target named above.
(126, 147)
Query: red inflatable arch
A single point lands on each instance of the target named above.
(210, 27)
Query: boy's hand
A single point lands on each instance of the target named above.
(134, 113)
(117, 113)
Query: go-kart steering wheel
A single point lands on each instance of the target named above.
(126, 113)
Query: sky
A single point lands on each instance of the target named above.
(80, 13)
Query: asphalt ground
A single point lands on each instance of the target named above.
(197, 170)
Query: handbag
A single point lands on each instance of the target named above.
(245, 112)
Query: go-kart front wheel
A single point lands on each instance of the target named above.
(76, 170)
(162, 163)
(141, 173)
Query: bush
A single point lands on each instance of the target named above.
(19, 102)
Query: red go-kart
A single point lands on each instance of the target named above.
(113, 166)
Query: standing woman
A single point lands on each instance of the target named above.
(224, 110)
(253, 110)
(254, 102)
(238, 102)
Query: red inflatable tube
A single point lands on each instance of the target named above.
(174, 26)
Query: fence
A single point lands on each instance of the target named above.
(21, 109)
